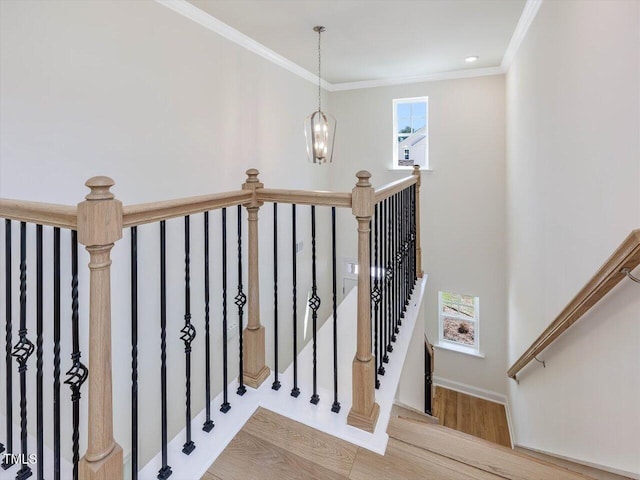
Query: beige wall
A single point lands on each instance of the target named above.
(573, 156)
(167, 108)
(463, 201)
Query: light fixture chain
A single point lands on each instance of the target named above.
(319, 77)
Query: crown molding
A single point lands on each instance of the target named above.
(209, 22)
(433, 77)
(190, 11)
(529, 12)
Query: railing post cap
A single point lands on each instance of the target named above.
(100, 186)
(363, 178)
(252, 175)
(416, 170)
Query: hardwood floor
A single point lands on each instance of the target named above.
(273, 447)
(472, 415)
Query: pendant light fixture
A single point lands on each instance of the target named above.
(319, 127)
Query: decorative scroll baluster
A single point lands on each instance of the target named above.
(8, 344)
(56, 354)
(375, 292)
(208, 423)
(295, 391)
(39, 356)
(134, 353)
(276, 383)
(225, 407)
(78, 373)
(314, 304)
(389, 279)
(22, 351)
(165, 470)
(396, 269)
(188, 335)
(335, 408)
(240, 301)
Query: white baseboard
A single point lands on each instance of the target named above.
(588, 468)
(480, 393)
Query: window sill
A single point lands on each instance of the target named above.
(408, 169)
(459, 349)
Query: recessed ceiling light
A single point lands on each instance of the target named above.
(471, 59)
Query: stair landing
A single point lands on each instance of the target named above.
(271, 446)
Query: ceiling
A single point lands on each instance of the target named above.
(373, 40)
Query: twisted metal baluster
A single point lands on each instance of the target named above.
(56, 354)
(388, 279)
(188, 335)
(225, 407)
(78, 372)
(22, 351)
(165, 470)
(39, 355)
(134, 353)
(276, 384)
(240, 301)
(375, 292)
(208, 423)
(6, 463)
(314, 304)
(295, 391)
(381, 273)
(335, 408)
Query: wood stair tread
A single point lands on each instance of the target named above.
(475, 452)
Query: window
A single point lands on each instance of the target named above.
(410, 133)
(459, 321)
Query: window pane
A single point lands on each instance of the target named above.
(404, 125)
(459, 331)
(419, 109)
(404, 110)
(418, 123)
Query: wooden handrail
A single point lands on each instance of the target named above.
(50, 214)
(627, 255)
(156, 211)
(394, 187)
(304, 197)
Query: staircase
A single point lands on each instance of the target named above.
(273, 447)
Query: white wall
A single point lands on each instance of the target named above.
(462, 203)
(168, 109)
(573, 155)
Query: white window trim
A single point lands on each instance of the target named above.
(458, 347)
(394, 160)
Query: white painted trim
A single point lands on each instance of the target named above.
(512, 433)
(433, 77)
(211, 23)
(596, 466)
(190, 11)
(452, 347)
(529, 12)
(470, 390)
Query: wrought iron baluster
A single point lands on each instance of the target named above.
(165, 470)
(276, 384)
(8, 345)
(389, 277)
(225, 407)
(335, 408)
(314, 304)
(295, 391)
(208, 423)
(78, 372)
(188, 334)
(134, 353)
(240, 300)
(56, 354)
(381, 302)
(39, 356)
(375, 292)
(22, 351)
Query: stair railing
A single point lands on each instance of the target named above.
(392, 267)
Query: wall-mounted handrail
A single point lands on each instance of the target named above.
(626, 256)
(394, 187)
(305, 197)
(50, 214)
(156, 211)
